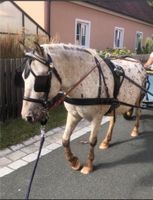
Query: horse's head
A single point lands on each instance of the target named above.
(41, 84)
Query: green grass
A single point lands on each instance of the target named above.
(17, 130)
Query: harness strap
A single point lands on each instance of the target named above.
(99, 101)
(101, 74)
(117, 73)
(39, 58)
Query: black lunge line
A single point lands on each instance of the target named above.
(43, 123)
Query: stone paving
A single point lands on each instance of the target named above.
(19, 155)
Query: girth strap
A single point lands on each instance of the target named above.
(90, 101)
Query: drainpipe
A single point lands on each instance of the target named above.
(47, 16)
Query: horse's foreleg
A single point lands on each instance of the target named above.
(105, 143)
(92, 141)
(71, 123)
(135, 131)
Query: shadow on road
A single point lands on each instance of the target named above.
(141, 151)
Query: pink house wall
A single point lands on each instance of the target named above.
(62, 25)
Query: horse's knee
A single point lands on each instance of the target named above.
(65, 143)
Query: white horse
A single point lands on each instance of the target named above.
(65, 65)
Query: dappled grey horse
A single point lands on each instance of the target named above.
(89, 86)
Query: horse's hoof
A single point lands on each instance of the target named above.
(134, 133)
(86, 170)
(76, 164)
(104, 145)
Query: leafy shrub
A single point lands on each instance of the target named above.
(148, 48)
(114, 52)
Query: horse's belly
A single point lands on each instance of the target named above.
(87, 112)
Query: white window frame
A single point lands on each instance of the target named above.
(136, 40)
(84, 24)
(121, 39)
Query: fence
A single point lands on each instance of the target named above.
(10, 95)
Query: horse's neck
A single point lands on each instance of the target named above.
(72, 65)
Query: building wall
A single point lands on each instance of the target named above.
(35, 9)
(62, 25)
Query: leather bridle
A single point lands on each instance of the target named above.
(51, 69)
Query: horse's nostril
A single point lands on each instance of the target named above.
(29, 118)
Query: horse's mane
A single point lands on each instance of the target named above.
(69, 47)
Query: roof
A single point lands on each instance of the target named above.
(138, 9)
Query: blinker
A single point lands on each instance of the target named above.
(18, 80)
(42, 83)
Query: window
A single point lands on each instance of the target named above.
(14, 20)
(139, 38)
(30, 27)
(10, 18)
(82, 33)
(118, 37)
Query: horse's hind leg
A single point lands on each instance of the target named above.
(105, 143)
(135, 131)
(95, 125)
(71, 123)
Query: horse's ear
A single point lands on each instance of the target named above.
(39, 49)
(23, 47)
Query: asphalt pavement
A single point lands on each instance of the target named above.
(124, 171)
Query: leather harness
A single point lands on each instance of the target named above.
(118, 75)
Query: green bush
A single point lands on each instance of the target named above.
(148, 48)
(114, 52)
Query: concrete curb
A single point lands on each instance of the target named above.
(17, 156)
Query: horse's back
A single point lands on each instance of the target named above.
(134, 70)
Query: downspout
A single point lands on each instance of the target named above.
(47, 16)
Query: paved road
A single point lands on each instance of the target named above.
(124, 171)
